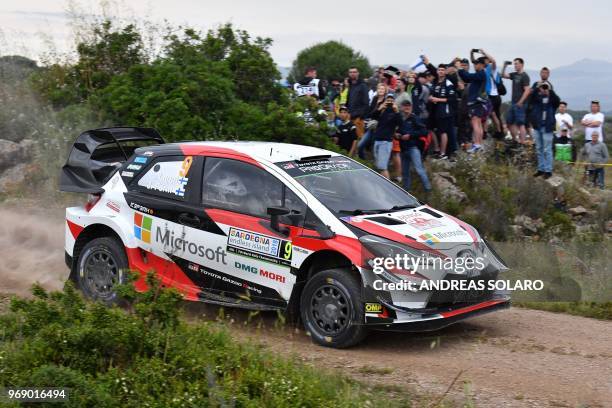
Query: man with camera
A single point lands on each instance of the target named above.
(543, 105)
(477, 100)
(389, 120)
(516, 116)
(410, 135)
(495, 89)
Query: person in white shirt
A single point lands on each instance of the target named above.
(593, 122)
(564, 120)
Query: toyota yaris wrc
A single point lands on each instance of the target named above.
(271, 226)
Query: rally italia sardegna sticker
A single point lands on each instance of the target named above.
(259, 246)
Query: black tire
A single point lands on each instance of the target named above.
(332, 309)
(102, 265)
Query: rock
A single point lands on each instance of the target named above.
(555, 181)
(448, 176)
(580, 210)
(11, 179)
(447, 189)
(528, 224)
(11, 154)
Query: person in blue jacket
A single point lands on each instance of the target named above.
(543, 104)
(477, 99)
(410, 135)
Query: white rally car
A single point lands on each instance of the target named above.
(267, 226)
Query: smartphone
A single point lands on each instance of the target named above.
(508, 62)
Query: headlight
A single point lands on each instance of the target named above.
(380, 249)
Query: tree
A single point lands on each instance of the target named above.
(332, 59)
(250, 64)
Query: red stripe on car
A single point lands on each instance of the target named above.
(195, 149)
(467, 309)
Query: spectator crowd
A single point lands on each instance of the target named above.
(402, 116)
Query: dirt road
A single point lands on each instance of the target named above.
(514, 358)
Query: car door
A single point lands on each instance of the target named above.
(237, 195)
(169, 223)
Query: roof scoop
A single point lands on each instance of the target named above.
(315, 158)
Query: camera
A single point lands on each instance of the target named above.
(508, 62)
(544, 87)
(475, 50)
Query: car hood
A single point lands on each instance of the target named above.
(421, 226)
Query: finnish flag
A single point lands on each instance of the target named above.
(418, 66)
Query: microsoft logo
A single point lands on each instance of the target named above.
(142, 227)
(428, 238)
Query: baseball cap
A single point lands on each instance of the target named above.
(390, 95)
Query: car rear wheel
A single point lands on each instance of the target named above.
(332, 309)
(102, 266)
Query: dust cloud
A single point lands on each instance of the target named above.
(31, 250)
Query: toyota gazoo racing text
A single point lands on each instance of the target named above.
(271, 226)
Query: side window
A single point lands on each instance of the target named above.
(168, 177)
(241, 187)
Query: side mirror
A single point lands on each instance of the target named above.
(275, 213)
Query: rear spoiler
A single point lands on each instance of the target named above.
(96, 153)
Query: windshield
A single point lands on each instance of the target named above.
(346, 187)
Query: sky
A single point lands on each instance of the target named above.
(544, 32)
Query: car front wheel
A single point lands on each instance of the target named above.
(102, 266)
(332, 308)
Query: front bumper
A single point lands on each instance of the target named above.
(443, 317)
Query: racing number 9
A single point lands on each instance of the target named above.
(287, 249)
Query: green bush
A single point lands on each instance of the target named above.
(559, 223)
(150, 357)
